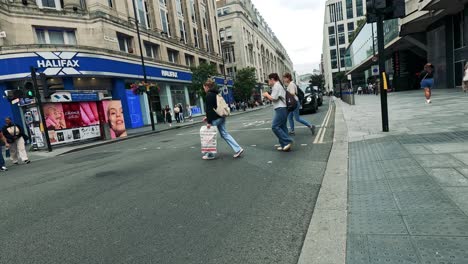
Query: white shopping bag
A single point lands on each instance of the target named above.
(208, 139)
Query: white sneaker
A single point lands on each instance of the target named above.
(429, 101)
(3, 168)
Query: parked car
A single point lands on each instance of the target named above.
(310, 102)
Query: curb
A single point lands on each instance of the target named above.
(147, 133)
(325, 241)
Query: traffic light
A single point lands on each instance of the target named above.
(29, 91)
(48, 84)
(390, 9)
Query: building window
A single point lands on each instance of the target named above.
(229, 55)
(340, 28)
(165, 22)
(332, 40)
(458, 34)
(195, 36)
(207, 41)
(179, 9)
(342, 57)
(53, 4)
(189, 60)
(351, 27)
(349, 9)
(142, 12)
(162, 2)
(359, 8)
(183, 34)
(192, 9)
(56, 36)
(110, 3)
(201, 61)
(203, 15)
(152, 50)
(224, 11)
(173, 55)
(222, 34)
(331, 31)
(336, 12)
(228, 33)
(125, 43)
(333, 59)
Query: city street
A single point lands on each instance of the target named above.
(153, 199)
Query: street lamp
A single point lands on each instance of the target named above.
(222, 57)
(148, 94)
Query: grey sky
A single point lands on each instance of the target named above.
(298, 24)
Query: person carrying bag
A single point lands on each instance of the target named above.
(16, 139)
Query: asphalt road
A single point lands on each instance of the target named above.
(154, 200)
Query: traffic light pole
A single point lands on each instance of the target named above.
(383, 76)
(39, 106)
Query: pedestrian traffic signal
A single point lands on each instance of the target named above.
(29, 91)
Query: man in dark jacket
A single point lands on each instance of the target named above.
(15, 137)
(213, 119)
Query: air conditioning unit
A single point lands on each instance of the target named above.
(2, 34)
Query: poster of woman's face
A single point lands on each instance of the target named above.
(115, 118)
(55, 119)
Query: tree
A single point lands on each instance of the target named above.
(199, 76)
(317, 80)
(244, 83)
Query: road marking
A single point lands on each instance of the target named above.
(321, 133)
(303, 145)
(270, 162)
(253, 145)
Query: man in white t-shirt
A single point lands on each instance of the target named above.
(279, 124)
(292, 89)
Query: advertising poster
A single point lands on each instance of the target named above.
(71, 122)
(115, 118)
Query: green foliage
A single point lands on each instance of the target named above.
(317, 80)
(199, 76)
(244, 83)
(341, 77)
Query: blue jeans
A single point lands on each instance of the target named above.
(220, 123)
(2, 161)
(279, 126)
(295, 115)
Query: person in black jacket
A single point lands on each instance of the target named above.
(213, 119)
(15, 137)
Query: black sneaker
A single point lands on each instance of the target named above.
(292, 133)
(16, 163)
(27, 161)
(312, 129)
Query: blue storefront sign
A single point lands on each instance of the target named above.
(69, 64)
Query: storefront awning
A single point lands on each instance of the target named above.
(420, 21)
(446, 4)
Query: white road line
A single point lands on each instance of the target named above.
(322, 127)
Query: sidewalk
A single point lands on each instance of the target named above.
(132, 133)
(408, 189)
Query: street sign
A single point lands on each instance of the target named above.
(375, 58)
(375, 70)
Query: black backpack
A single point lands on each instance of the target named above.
(300, 94)
(291, 102)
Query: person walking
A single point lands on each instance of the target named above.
(465, 79)
(15, 137)
(181, 113)
(189, 113)
(427, 81)
(292, 89)
(213, 119)
(168, 115)
(4, 142)
(279, 124)
(176, 113)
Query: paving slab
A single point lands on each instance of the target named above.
(407, 191)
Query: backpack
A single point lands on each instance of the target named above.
(222, 109)
(300, 94)
(291, 102)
